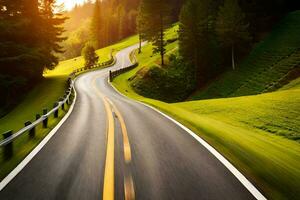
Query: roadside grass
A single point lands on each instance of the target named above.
(251, 132)
(266, 68)
(235, 127)
(68, 66)
(276, 113)
(42, 96)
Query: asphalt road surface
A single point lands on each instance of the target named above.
(111, 147)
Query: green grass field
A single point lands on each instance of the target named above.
(258, 134)
(267, 66)
(68, 66)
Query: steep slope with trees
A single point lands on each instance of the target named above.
(271, 64)
(29, 38)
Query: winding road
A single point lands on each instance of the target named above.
(111, 147)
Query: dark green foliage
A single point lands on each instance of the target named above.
(96, 28)
(30, 34)
(171, 84)
(154, 19)
(231, 28)
(90, 56)
(267, 67)
(196, 37)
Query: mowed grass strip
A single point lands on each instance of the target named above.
(251, 132)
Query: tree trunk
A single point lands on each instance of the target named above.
(162, 40)
(140, 44)
(232, 57)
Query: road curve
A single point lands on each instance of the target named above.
(113, 148)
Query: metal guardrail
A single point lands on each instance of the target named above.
(30, 127)
(9, 137)
(107, 63)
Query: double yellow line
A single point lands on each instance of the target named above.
(109, 180)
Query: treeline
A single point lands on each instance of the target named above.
(30, 33)
(214, 34)
(104, 23)
(99, 23)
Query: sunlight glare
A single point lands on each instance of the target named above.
(69, 4)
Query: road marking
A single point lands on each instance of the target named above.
(129, 188)
(109, 176)
(126, 144)
(128, 180)
(109, 170)
(109, 182)
(38, 148)
(243, 180)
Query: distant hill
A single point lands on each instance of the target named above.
(272, 63)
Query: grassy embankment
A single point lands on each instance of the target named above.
(259, 134)
(43, 96)
(271, 64)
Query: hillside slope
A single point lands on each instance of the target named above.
(271, 64)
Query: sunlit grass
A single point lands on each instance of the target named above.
(68, 66)
(41, 97)
(245, 130)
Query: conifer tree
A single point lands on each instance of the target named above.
(140, 25)
(157, 16)
(90, 56)
(96, 30)
(194, 35)
(231, 28)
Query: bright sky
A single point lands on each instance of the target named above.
(69, 4)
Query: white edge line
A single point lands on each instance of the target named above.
(38, 148)
(245, 182)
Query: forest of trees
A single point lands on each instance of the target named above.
(217, 34)
(101, 22)
(29, 39)
(214, 36)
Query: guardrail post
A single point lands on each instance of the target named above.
(8, 148)
(31, 131)
(55, 112)
(45, 121)
(63, 104)
(110, 76)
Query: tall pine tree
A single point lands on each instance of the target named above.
(195, 34)
(96, 26)
(231, 28)
(157, 16)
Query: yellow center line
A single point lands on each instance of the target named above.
(128, 181)
(108, 188)
(127, 149)
(109, 179)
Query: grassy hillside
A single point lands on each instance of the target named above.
(276, 113)
(266, 68)
(68, 66)
(172, 82)
(259, 134)
(251, 131)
